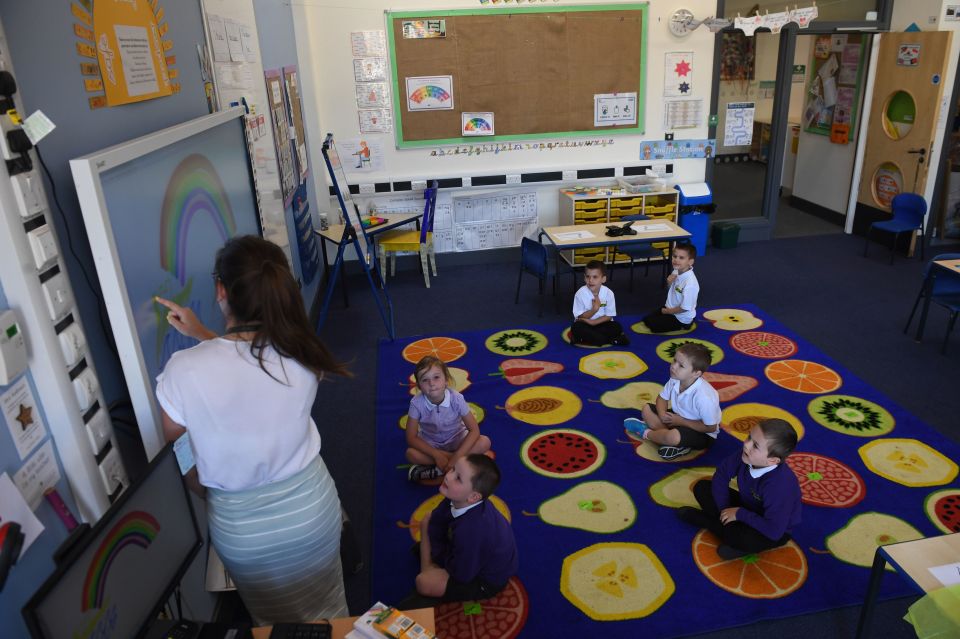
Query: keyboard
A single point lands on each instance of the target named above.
(300, 631)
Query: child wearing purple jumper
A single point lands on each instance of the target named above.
(440, 427)
(762, 513)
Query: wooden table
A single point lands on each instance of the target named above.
(578, 236)
(343, 625)
(912, 560)
(946, 265)
(334, 235)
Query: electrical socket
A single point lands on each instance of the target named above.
(99, 431)
(58, 297)
(111, 471)
(28, 192)
(73, 344)
(85, 387)
(43, 245)
(668, 137)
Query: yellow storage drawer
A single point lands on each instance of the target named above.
(659, 210)
(590, 205)
(621, 202)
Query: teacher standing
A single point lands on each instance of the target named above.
(245, 399)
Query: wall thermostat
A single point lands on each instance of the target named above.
(13, 348)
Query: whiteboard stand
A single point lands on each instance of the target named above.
(364, 257)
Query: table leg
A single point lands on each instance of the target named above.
(879, 564)
(927, 290)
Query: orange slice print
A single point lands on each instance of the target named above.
(446, 349)
(767, 575)
(803, 376)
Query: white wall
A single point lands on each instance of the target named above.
(324, 55)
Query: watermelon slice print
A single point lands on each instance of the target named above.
(763, 344)
(563, 453)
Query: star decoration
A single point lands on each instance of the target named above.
(25, 417)
(682, 68)
(684, 87)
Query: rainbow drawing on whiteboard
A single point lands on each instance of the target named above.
(194, 189)
(137, 528)
(429, 93)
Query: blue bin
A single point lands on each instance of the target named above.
(696, 202)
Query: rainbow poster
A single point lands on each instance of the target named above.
(430, 93)
(472, 123)
(137, 528)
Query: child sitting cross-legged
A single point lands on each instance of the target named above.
(595, 310)
(767, 507)
(467, 549)
(440, 427)
(687, 412)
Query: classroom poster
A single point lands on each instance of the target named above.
(682, 114)
(23, 417)
(738, 127)
(678, 74)
(833, 86)
(375, 120)
(366, 44)
(612, 109)
(373, 95)
(130, 47)
(361, 155)
(281, 135)
(369, 69)
(473, 123)
(429, 93)
(295, 113)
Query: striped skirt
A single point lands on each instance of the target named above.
(281, 545)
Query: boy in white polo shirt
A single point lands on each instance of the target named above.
(687, 413)
(682, 292)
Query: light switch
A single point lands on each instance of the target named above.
(44, 246)
(418, 185)
(58, 296)
(570, 176)
(513, 179)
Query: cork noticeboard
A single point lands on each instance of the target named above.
(537, 69)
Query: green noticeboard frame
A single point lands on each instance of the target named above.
(537, 69)
(820, 120)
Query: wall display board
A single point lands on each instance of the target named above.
(537, 69)
(191, 188)
(837, 63)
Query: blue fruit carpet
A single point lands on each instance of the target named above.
(593, 509)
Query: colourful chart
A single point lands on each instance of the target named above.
(477, 124)
(437, 93)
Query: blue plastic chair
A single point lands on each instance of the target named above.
(536, 259)
(641, 251)
(943, 289)
(909, 210)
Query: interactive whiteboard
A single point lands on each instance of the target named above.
(156, 210)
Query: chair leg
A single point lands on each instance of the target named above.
(946, 338)
(433, 260)
(381, 257)
(423, 266)
(543, 286)
(914, 309)
(393, 263)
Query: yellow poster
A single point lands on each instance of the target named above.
(130, 51)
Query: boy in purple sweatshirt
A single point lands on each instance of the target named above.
(767, 507)
(467, 548)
